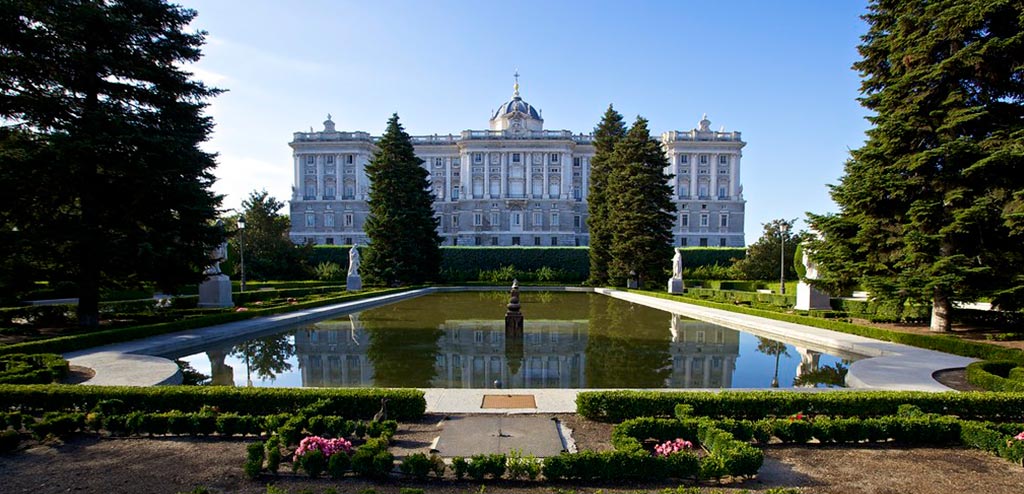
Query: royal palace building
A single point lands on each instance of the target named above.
(513, 184)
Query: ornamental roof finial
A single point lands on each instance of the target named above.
(515, 87)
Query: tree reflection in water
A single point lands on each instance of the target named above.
(265, 357)
(772, 348)
(828, 375)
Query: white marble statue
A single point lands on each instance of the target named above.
(217, 256)
(353, 260)
(677, 265)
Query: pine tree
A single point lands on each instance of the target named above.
(925, 205)
(610, 131)
(269, 252)
(100, 86)
(404, 244)
(640, 207)
(763, 256)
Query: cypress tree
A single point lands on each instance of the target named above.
(639, 207)
(609, 131)
(404, 244)
(925, 206)
(103, 90)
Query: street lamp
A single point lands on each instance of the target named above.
(241, 249)
(783, 228)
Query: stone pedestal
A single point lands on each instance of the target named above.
(675, 285)
(631, 284)
(354, 283)
(810, 298)
(215, 292)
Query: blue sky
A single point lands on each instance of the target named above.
(779, 72)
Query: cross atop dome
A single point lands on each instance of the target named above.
(515, 87)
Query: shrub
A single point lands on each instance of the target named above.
(40, 368)
(337, 465)
(328, 271)
(255, 455)
(9, 439)
(273, 454)
(418, 465)
(522, 466)
(995, 375)
(372, 460)
(459, 467)
(313, 462)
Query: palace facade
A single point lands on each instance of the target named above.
(513, 184)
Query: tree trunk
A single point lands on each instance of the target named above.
(942, 312)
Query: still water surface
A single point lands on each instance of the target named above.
(570, 340)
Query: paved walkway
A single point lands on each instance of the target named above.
(886, 366)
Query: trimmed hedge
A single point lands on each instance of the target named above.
(694, 257)
(942, 343)
(996, 375)
(403, 404)
(737, 296)
(461, 263)
(616, 406)
(40, 368)
(64, 344)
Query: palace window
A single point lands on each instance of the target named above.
(577, 162)
(722, 192)
(516, 158)
(478, 158)
(684, 220)
(455, 221)
(721, 242)
(495, 219)
(348, 219)
(723, 159)
(328, 219)
(554, 240)
(536, 241)
(703, 242)
(330, 159)
(311, 191)
(576, 221)
(554, 158)
(438, 162)
(538, 219)
(554, 189)
(703, 159)
(310, 159)
(684, 159)
(554, 219)
(310, 219)
(494, 241)
(311, 170)
(349, 159)
(515, 240)
(455, 193)
(704, 221)
(723, 220)
(682, 242)
(478, 220)
(723, 171)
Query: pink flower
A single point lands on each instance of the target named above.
(326, 446)
(1019, 437)
(240, 309)
(672, 447)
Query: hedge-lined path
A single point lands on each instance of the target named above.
(143, 362)
(889, 366)
(169, 465)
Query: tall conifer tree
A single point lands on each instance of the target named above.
(610, 131)
(103, 90)
(925, 204)
(404, 244)
(639, 207)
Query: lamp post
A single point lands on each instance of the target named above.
(241, 250)
(783, 228)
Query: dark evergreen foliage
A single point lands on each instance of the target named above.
(640, 208)
(763, 257)
(610, 131)
(108, 185)
(404, 244)
(269, 252)
(930, 205)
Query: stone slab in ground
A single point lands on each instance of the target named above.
(536, 435)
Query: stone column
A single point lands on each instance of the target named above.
(545, 158)
(320, 159)
(566, 175)
(529, 176)
(734, 176)
(448, 179)
(297, 192)
(505, 158)
(486, 175)
(361, 180)
(694, 178)
(707, 372)
(585, 173)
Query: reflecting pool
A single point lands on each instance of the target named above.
(570, 340)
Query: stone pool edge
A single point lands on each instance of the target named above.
(888, 366)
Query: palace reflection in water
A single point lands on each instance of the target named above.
(575, 340)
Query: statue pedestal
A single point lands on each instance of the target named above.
(631, 284)
(354, 283)
(675, 285)
(810, 298)
(215, 292)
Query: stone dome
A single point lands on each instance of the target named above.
(517, 104)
